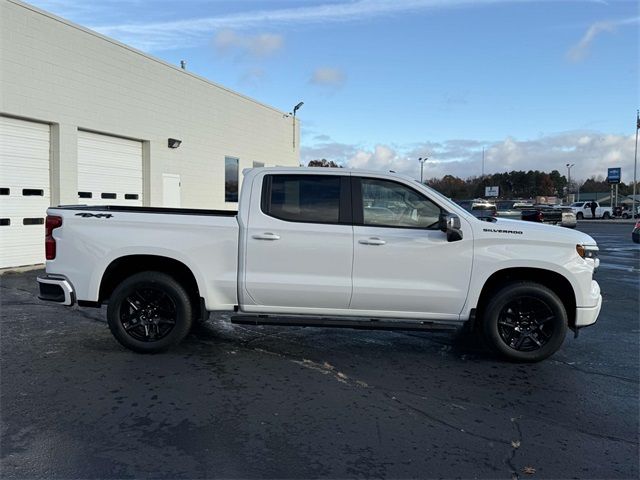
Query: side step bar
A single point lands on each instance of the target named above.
(364, 324)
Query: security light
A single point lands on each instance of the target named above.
(174, 143)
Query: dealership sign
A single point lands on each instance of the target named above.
(491, 191)
(613, 175)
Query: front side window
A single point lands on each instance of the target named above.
(303, 198)
(230, 179)
(391, 204)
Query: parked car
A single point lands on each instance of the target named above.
(303, 250)
(583, 210)
(635, 233)
(481, 209)
(543, 214)
(511, 208)
(627, 213)
(569, 219)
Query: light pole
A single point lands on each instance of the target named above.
(295, 109)
(569, 165)
(422, 160)
(635, 167)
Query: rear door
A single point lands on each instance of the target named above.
(403, 264)
(299, 248)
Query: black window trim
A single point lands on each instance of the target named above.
(344, 207)
(358, 207)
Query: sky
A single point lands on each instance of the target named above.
(536, 84)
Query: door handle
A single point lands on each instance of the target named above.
(372, 241)
(266, 236)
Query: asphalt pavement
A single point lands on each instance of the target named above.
(274, 402)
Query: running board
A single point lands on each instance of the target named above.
(368, 324)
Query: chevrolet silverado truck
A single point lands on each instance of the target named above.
(324, 247)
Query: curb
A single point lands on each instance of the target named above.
(615, 221)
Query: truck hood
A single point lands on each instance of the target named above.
(503, 227)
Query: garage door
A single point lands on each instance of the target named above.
(24, 191)
(109, 170)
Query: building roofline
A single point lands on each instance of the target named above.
(86, 30)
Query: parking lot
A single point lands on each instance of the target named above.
(247, 402)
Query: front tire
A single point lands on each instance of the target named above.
(525, 322)
(606, 216)
(149, 312)
(579, 216)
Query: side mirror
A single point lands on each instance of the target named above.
(449, 223)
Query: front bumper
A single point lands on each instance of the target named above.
(56, 288)
(586, 316)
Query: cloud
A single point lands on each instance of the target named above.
(328, 77)
(257, 46)
(581, 50)
(338, 152)
(167, 35)
(591, 152)
(253, 77)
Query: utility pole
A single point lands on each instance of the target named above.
(482, 162)
(422, 160)
(569, 165)
(635, 167)
(295, 109)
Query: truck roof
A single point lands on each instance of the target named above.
(332, 170)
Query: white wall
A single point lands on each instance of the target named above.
(56, 72)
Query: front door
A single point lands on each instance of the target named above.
(403, 264)
(299, 247)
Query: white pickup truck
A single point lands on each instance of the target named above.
(583, 210)
(324, 247)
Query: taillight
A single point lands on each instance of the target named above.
(540, 216)
(51, 224)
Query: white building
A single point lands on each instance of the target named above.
(86, 119)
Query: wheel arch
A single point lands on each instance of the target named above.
(548, 278)
(125, 266)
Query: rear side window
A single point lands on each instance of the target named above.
(303, 198)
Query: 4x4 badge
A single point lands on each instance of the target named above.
(97, 215)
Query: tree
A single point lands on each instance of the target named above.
(324, 163)
(512, 184)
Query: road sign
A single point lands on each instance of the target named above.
(491, 191)
(613, 175)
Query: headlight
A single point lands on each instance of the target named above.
(587, 251)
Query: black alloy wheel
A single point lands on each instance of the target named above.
(149, 312)
(526, 324)
(524, 321)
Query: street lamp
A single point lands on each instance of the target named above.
(569, 165)
(295, 109)
(422, 160)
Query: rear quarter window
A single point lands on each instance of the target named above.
(302, 198)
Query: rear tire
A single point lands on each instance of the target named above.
(606, 216)
(149, 312)
(524, 322)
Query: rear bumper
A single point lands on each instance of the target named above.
(586, 316)
(56, 288)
